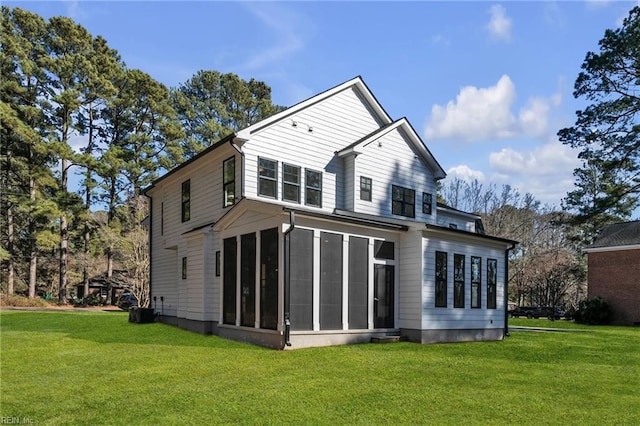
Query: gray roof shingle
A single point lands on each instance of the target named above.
(618, 234)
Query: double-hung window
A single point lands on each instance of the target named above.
(426, 203)
(476, 274)
(458, 280)
(186, 200)
(441, 280)
(267, 178)
(403, 201)
(365, 188)
(291, 183)
(492, 278)
(229, 181)
(313, 188)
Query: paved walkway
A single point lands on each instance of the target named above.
(562, 330)
(67, 308)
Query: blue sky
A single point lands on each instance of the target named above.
(486, 84)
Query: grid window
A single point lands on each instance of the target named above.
(365, 188)
(426, 203)
(313, 188)
(186, 200)
(476, 274)
(403, 201)
(441, 279)
(229, 181)
(291, 183)
(458, 280)
(267, 177)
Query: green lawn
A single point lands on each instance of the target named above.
(96, 368)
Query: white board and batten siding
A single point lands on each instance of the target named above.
(461, 318)
(191, 298)
(390, 160)
(336, 122)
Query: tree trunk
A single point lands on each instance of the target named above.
(33, 255)
(64, 240)
(10, 265)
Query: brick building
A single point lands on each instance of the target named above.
(614, 270)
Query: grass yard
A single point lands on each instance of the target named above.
(96, 368)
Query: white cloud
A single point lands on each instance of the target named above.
(486, 113)
(285, 28)
(465, 173)
(499, 25)
(545, 171)
(440, 40)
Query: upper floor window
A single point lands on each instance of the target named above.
(313, 188)
(229, 181)
(186, 200)
(365, 188)
(403, 201)
(267, 177)
(426, 203)
(291, 183)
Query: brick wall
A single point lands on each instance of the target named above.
(615, 276)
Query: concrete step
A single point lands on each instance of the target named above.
(389, 339)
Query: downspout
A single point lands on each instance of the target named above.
(506, 289)
(150, 245)
(287, 279)
(237, 148)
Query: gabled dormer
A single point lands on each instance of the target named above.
(390, 172)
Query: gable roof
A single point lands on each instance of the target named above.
(356, 83)
(617, 236)
(402, 125)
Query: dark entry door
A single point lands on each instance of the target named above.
(383, 296)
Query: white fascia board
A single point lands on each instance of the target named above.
(245, 134)
(612, 248)
(460, 213)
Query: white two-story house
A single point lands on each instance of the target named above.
(319, 226)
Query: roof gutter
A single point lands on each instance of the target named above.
(506, 289)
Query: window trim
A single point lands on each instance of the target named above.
(307, 188)
(225, 183)
(459, 280)
(492, 281)
(293, 184)
(403, 203)
(274, 179)
(364, 182)
(439, 281)
(476, 282)
(427, 206)
(186, 201)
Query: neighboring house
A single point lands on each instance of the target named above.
(319, 226)
(614, 270)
